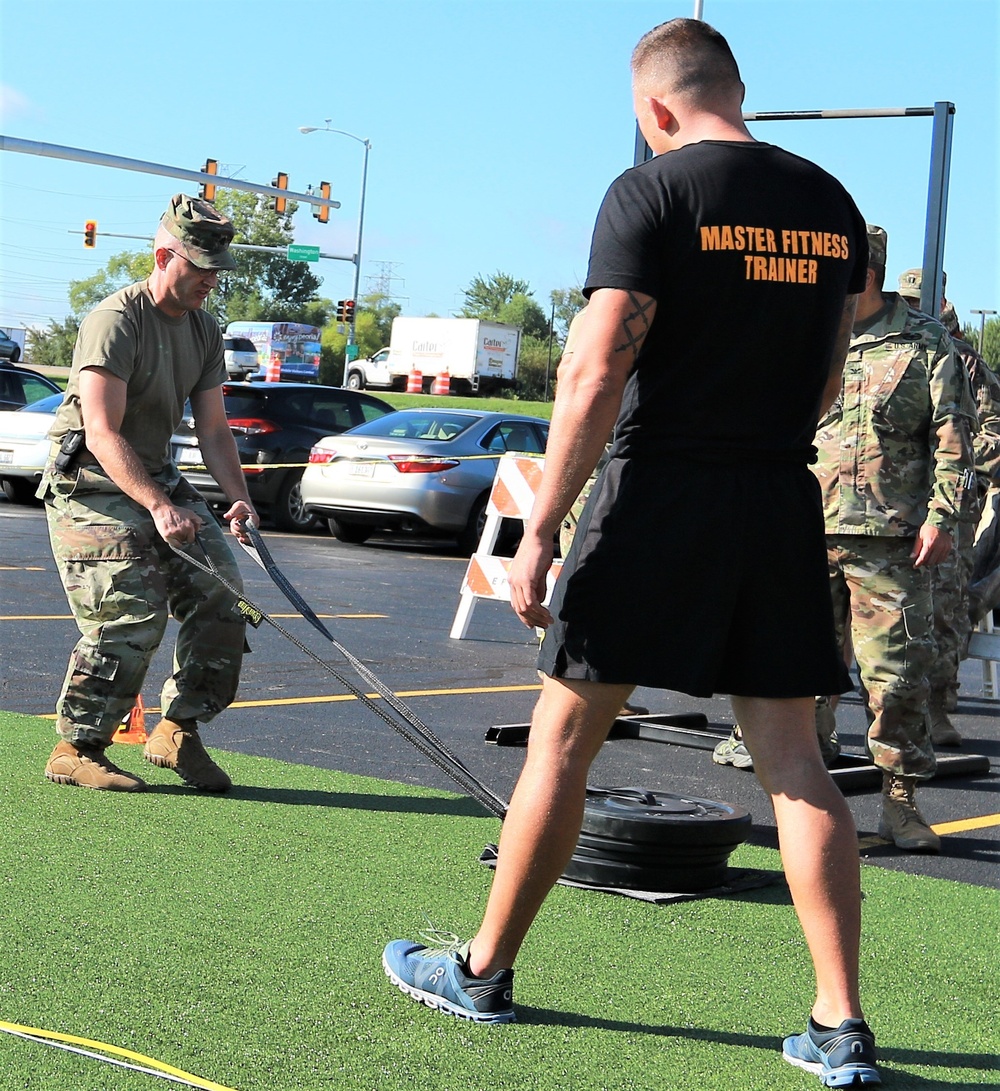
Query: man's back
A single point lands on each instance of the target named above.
(749, 252)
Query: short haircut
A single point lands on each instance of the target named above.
(879, 271)
(688, 58)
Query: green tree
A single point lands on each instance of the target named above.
(384, 308)
(524, 312)
(333, 344)
(263, 287)
(567, 302)
(122, 269)
(486, 295)
(53, 347)
(991, 340)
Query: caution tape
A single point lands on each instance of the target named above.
(86, 1047)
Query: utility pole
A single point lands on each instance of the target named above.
(982, 326)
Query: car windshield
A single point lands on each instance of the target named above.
(434, 426)
(49, 404)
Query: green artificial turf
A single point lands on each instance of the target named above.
(238, 938)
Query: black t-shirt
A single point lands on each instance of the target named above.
(749, 252)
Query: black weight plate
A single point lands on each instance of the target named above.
(637, 814)
(685, 880)
(696, 856)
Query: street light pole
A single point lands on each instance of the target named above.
(351, 329)
(982, 326)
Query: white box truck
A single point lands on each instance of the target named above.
(478, 356)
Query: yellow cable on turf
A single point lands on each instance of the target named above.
(54, 1037)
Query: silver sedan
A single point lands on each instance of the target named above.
(417, 470)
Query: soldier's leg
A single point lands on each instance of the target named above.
(207, 656)
(211, 639)
(892, 627)
(951, 633)
(102, 546)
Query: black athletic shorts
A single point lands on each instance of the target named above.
(699, 577)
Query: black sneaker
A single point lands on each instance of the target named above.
(842, 1057)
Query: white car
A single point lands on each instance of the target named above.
(241, 357)
(24, 447)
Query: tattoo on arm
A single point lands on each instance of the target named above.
(635, 326)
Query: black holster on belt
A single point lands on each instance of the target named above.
(69, 450)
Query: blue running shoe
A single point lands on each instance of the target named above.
(440, 978)
(843, 1057)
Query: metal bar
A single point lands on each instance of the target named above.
(100, 159)
(932, 285)
(820, 115)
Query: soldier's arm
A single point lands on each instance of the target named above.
(102, 402)
(841, 345)
(218, 448)
(953, 482)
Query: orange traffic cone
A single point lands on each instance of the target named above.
(414, 382)
(273, 369)
(442, 384)
(133, 727)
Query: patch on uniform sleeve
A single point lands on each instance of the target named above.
(248, 612)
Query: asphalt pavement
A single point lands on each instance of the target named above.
(391, 602)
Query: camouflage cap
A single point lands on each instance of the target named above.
(203, 232)
(912, 281)
(877, 239)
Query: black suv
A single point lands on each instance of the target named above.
(20, 386)
(276, 423)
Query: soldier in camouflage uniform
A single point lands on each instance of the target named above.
(115, 503)
(896, 468)
(952, 624)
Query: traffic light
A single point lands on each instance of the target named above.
(341, 310)
(349, 311)
(90, 234)
(277, 204)
(323, 212)
(207, 191)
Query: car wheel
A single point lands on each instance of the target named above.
(354, 381)
(19, 490)
(288, 512)
(15, 355)
(468, 539)
(355, 533)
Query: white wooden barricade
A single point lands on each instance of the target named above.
(511, 497)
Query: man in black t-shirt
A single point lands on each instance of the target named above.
(722, 286)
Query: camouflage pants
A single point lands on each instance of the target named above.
(123, 582)
(887, 604)
(952, 625)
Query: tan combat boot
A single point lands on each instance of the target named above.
(901, 822)
(176, 745)
(942, 730)
(89, 767)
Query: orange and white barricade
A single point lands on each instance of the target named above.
(512, 497)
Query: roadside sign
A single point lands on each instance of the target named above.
(351, 352)
(303, 253)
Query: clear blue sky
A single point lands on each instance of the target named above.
(495, 126)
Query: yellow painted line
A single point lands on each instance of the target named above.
(981, 823)
(21, 568)
(334, 698)
(69, 617)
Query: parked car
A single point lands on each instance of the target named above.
(9, 348)
(241, 357)
(20, 386)
(24, 447)
(275, 423)
(412, 471)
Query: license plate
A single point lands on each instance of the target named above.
(189, 456)
(7, 457)
(362, 469)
